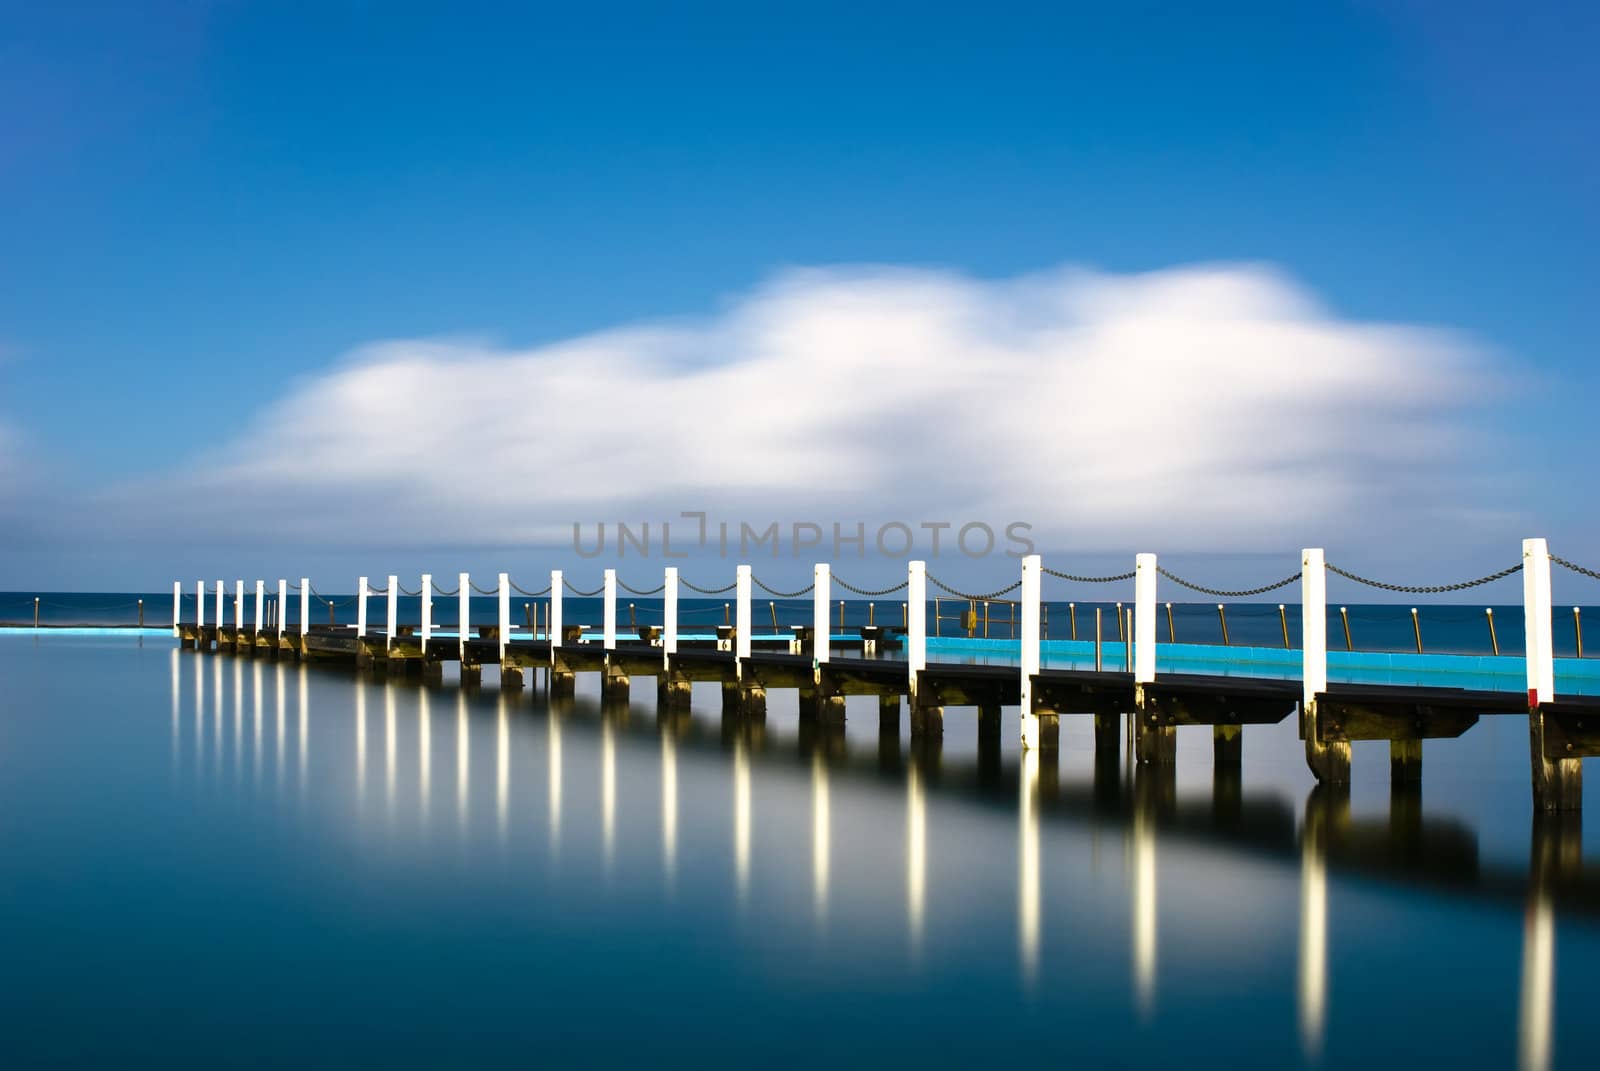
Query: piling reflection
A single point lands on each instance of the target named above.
(361, 748)
(553, 761)
(669, 807)
(741, 821)
(199, 717)
(608, 791)
(173, 746)
(424, 759)
(821, 829)
(280, 702)
(502, 768)
(238, 718)
(1142, 838)
(305, 729)
(256, 716)
(1028, 893)
(916, 858)
(463, 760)
(1556, 857)
(216, 718)
(390, 759)
(1325, 809)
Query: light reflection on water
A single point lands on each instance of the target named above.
(821, 839)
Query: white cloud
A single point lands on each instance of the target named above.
(1199, 408)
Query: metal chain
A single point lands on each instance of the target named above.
(582, 594)
(784, 594)
(636, 591)
(1592, 574)
(1437, 589)
(530, 594)
(410, 594)
(869, 593)
(1222, 594)
(1088, 579)
(294, 587)
(437, 590)
(377, 591)
(710, 591)
(942, 586)
(484, 591)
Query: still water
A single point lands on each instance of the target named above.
(216, 861)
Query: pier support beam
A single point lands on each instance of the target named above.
(1153, 742)
(1227, 744)
(511, 679)
(927, 722)
(614, 683)
(1557, 782)
(1405, 762)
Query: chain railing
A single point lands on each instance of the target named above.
(483, 591)
(867, 592)
(541, 593)
(1222, 593)
(407, 592)
(775, 593)
(579, 592)
(1433, 589)
(946, 588)
(1592, 574)
(1087, 579)
(452, 593)
(631, 590)
(709, 591)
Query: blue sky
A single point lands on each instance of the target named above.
(209, 206)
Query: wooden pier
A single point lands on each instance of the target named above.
(1562, 730)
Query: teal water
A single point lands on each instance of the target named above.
(206, 860)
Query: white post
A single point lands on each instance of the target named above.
(610, 593)
(505, 613)
(916, 622)
(821, 625)
(741, 619)
(219, 604)
(238, 605)
(1536, 623)
(305, 605)
(427, 610)
(553, 621)
(261, 600)
(361, 608)
(1029, 596)
(1313, 623)
(464, 595)
(394, 611)
(669, 612)
(283, 603)
(200, 604)
(177, 604)
(1144, 619)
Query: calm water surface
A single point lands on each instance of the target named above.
(215, 861)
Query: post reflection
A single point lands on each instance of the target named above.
(1535, 1006)
(305, 728)
(669, 807)
(820, 833)
(175, 688)
(463, 760)
(1028, 867)
(608, 791)
(916, 857)
(424, 758)
(256, 714)
(199, 717)
(361, 748)
(238, 718)
(741, 821)
(390, 746)
(1322, 808)
(502, 768)
(553, 757)
(216, 718)
(1144, 899)
(281, 709)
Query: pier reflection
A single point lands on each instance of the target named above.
(1061, 811)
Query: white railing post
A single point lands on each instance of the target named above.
(218, 615)
(305, 605)
(177, 604)
(361, 608)
(464, 595)
(261, 601)
(283, 603)
(200, 604)
(821, 624)
(427, 610)
(916, 623)
(669, 615)
(394, 611)
(505, 613)
(1144, 619)
(1029, 596)
(1313, 624)
(553, 621)
(741, 618)
(609, 592)
(238, 605)
(1536, 623)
